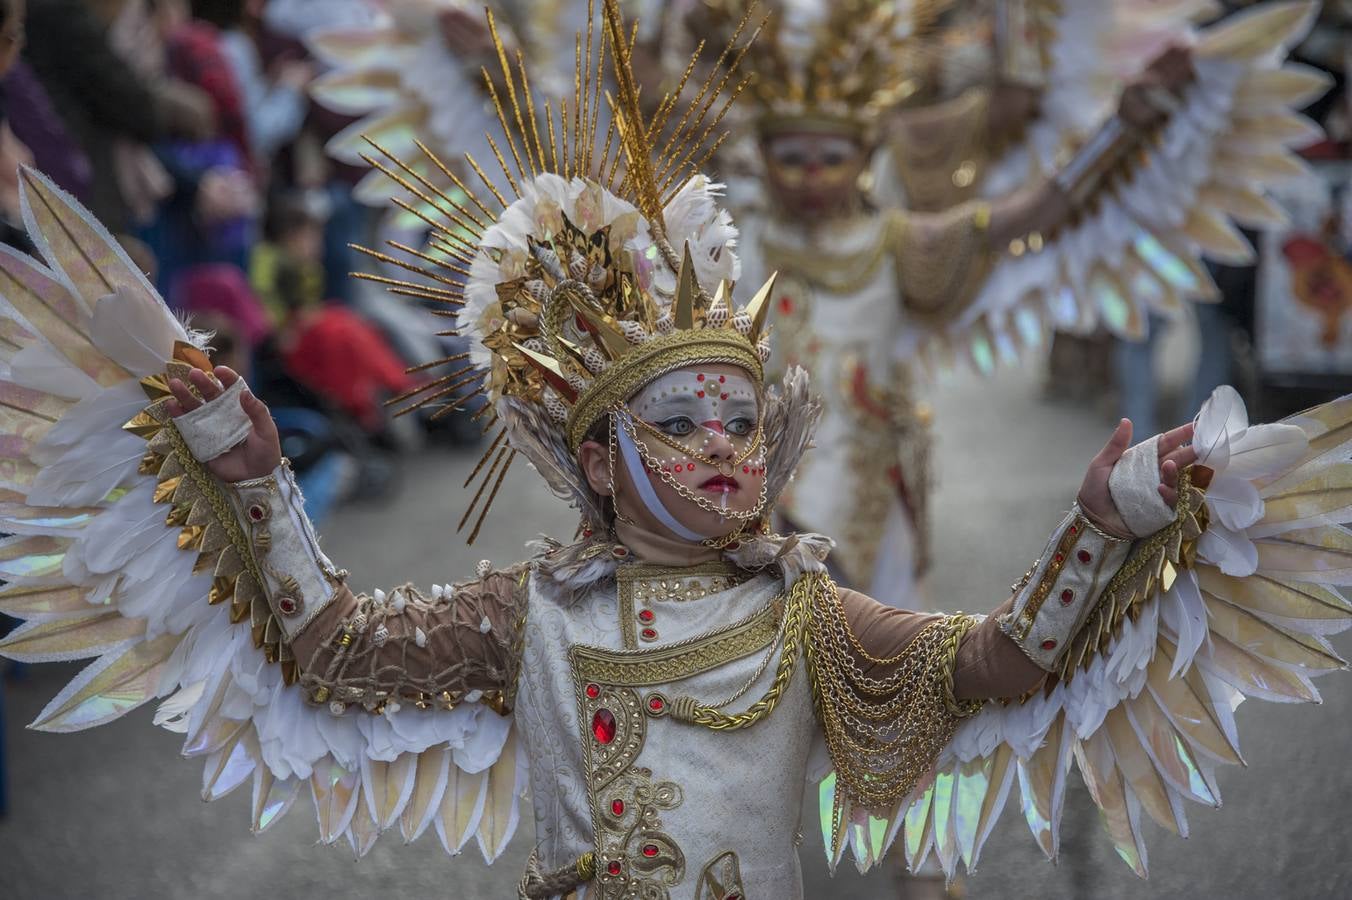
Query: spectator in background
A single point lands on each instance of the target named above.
(212, 216)
(12, 153)
(324, 346)
(275, 102)
(101, 98)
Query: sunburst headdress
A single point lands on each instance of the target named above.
(612, 266)
(830, 64)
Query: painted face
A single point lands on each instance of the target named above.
(696, 433)
(814, 174)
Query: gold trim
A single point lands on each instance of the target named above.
(640, 668)
(633, 583)
(1044, 587)
(651, 360)
(727, 882)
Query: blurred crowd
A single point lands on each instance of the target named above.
(186, 128)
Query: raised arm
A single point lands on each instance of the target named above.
(944, 258)
(1127, 495)
(379, 652)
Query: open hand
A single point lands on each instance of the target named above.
(1175, 452)
(255, 456)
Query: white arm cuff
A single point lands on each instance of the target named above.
(1062, 589)
(215, 427)
(299, 579)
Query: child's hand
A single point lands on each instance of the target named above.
(255, 456)
(1175, 452)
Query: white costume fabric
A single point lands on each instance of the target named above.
(864, 481)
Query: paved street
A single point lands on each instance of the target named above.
(114, 814)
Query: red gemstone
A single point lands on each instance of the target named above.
(613, 867)
(699, 377)
(656, 704)
(699, 393)
(1059, 557)
(785, 305)
(287, 605)
(645, 615)
(603, 726)
(650, 850)
(1049, 644)
(649, 634)
(1084, 556)
(1067, 596)
(617, 807)
(593, 691)
(746, 470)
(1075, 529)
(619, 552)
(256, 512)
(722, 378)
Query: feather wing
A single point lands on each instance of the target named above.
(1151, 717)
(98, 571)
(1140, 248)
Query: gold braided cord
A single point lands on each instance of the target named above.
(883, 731)
(806, 592)
(655, 358)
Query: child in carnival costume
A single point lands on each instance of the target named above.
(665, 683)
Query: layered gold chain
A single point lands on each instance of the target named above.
(884, 731)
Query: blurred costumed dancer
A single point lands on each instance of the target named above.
(1093, 211)
(678, 657)
(427, 71)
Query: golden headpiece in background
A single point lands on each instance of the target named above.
(829, 64)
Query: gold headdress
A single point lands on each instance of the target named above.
(592, 282)
(832, 64)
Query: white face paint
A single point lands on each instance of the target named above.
(692, 443)
(692, 408)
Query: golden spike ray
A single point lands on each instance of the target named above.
(759, 306)
(683, 309)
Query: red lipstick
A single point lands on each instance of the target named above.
(721, 484)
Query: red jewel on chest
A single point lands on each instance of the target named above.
(613, 867)
(699, 394)
(649, 634)
(645, 615)
(650, 850)
(1084, 556)
(656, 704)
(603, 726)
(593, 691)
(1067, 596)
(1049, 644)
(617, 807)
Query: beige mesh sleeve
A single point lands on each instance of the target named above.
(403, 648)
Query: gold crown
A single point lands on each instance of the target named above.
(834, 64)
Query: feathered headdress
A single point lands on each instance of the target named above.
(612, 265)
